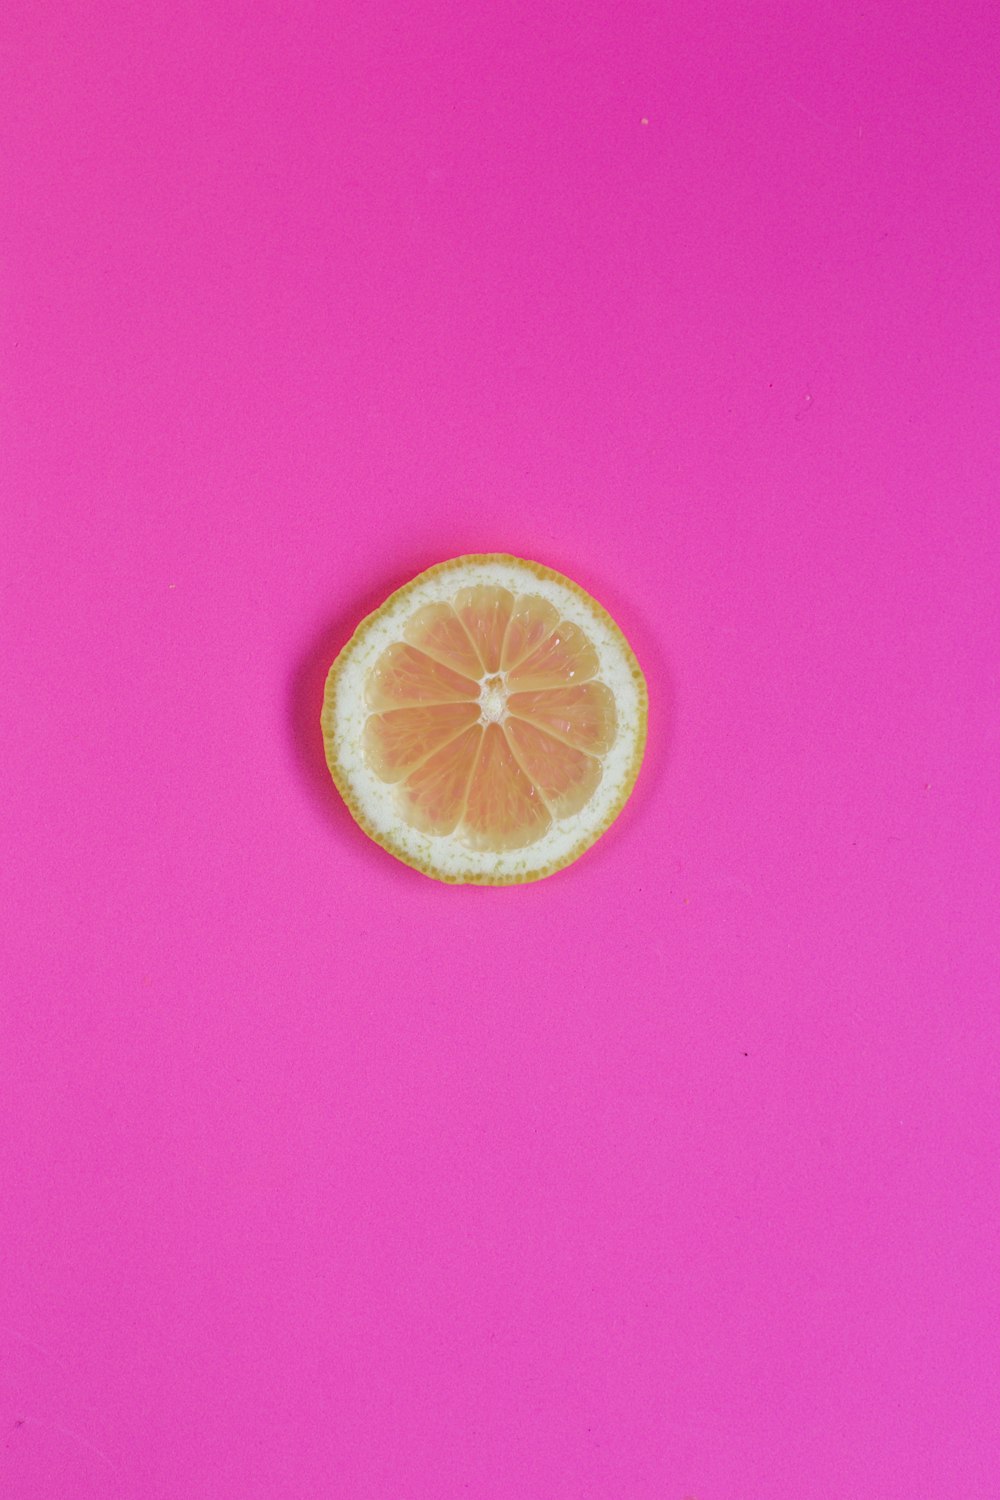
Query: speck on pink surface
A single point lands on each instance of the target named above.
(675, 1175)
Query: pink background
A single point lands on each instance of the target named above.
(674, 1176)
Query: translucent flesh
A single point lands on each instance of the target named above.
(564, 657)
(582, 715)
(532, 621)
(496, 785)
(565, 776)
(504, 810)
(406, 678)
(485, 612)
(433, 796)
(398, 741)
(437, 630)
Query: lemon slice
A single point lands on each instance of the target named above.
(487, 723)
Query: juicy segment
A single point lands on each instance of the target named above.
(398, 741)
(582, 715)
(404, 677)
(504, 810)
(497, 785)
(566, 777)
(433, 796)
(437, 630)
(566, 656)
(532, 622)
(485, 612)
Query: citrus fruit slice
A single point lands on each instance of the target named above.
(487, 723)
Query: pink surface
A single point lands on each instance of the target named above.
(672, 1176)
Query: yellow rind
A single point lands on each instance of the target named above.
(587, 841)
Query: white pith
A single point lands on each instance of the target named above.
(493, 698)
(346, 711)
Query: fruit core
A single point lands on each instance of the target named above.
(493, 700)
